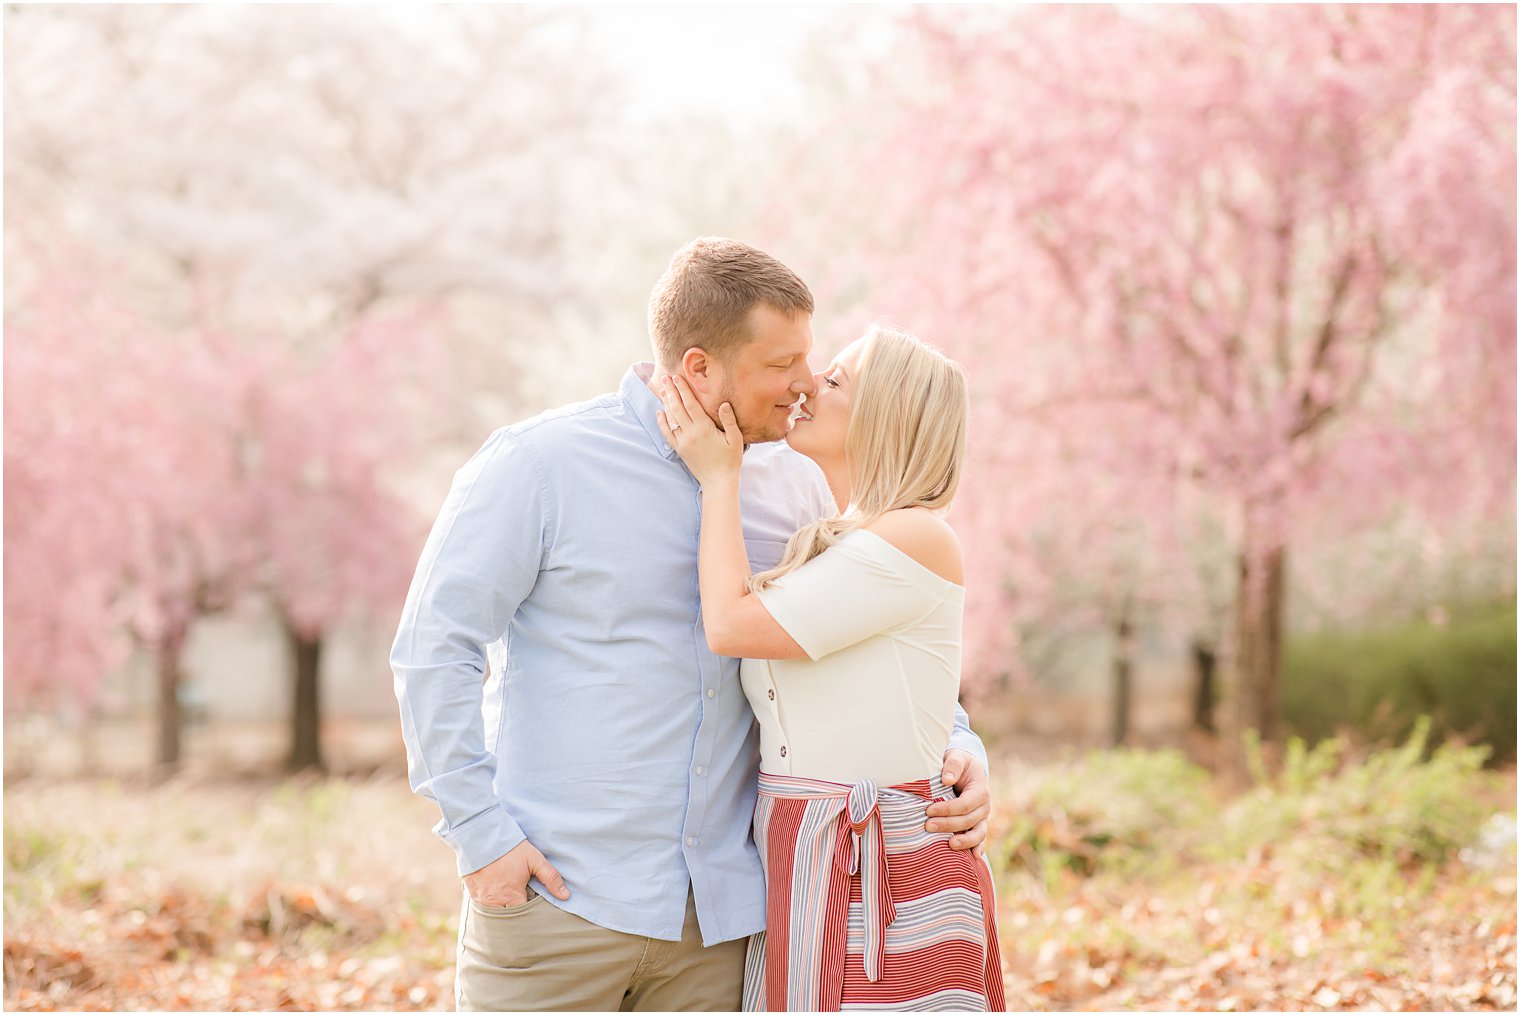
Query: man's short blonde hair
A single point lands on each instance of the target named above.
(704, 298)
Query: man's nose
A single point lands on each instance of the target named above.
(807, 385)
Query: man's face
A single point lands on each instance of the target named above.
(767, 374)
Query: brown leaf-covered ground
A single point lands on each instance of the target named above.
(334, 895)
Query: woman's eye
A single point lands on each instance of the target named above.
(831, 382)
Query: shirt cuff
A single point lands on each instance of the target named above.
(965, 740)
(482, 839)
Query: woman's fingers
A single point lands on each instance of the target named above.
(675, 411)
(683, 409)
(688, 398)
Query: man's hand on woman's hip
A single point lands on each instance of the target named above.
(966, 814)
(504, 881)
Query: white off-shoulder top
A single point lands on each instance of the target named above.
(875, 699)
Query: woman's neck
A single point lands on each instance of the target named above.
(838, 477)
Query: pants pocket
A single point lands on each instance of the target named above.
(485, 910)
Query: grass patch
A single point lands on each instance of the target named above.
(1126, 880)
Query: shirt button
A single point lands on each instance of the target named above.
(667, 447)
(699, 769)
(771, 694)
(691, 840)
(783, 752)
(711, 692)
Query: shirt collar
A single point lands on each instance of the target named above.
(634, 390)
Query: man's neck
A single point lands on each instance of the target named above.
(653, 378)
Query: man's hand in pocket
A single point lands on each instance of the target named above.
(503, 883)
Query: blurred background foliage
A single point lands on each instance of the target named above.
(1235, 286)
(1125, 812)
(1379, 682)
(275, 273)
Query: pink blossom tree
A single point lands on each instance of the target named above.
(328, 433)
(1255, 265)
(63, 549)
(122, 517)
(294, 242)
(157, 478)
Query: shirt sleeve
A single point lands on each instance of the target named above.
(842, 597)
(480, 561)
(962, 738)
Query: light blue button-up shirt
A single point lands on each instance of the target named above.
(603, 731)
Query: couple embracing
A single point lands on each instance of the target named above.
(681, 674)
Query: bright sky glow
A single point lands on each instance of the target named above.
(744, 62)
(741, 61)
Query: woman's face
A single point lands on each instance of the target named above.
(820, 429)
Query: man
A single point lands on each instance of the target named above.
(598, 787)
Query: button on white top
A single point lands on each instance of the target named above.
(691, 841)
(711, 692)
(699, 769)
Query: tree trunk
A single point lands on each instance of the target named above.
(1124, 653)
(306, 710)
(89, 747)
(1258, 646)
(1205, 667)
(166, 658)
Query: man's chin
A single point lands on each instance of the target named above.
(763, 436)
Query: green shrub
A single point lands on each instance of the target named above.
(1377, 683)
(1154, 813)
(1118, 809)
(1394, 805)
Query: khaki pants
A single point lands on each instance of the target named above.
(537, 957)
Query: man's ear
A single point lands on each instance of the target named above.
(702, 371)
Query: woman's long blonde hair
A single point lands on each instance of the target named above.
(905, 444)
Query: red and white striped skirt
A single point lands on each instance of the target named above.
(866, 909)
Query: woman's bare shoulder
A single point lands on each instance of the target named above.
(926, 537)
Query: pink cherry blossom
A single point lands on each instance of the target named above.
(1223, 276)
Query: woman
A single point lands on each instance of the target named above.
(851, 651)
